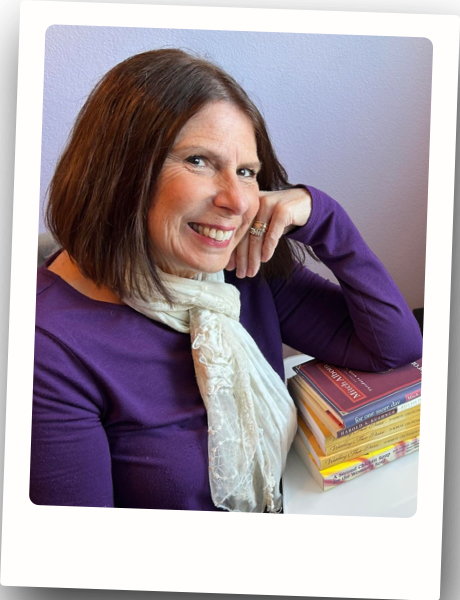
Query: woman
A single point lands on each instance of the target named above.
(159, 328)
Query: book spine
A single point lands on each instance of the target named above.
(325, 462)
(367, 411)
(393, 411)
(330, 478)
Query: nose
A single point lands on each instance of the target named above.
(232, 195)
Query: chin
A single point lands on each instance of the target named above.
(211, 270)
(209, 266)
(191, 271)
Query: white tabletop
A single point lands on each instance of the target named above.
(390, 491)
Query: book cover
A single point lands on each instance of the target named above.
(324, 461)
(334, 476)
(354, 396)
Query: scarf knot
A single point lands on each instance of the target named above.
(251, 417)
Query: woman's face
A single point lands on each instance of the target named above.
(207, 193)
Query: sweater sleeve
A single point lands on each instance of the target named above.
(70, 458)
(364, 323)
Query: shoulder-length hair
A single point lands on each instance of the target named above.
(106, 178)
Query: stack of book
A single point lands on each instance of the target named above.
(351, 422)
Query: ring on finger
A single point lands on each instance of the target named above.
(258, 228)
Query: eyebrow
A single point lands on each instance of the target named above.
(201, 150)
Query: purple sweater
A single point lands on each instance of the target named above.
(117, 417)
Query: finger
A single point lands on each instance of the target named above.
(267, 201)
(274, 233)
(241, 252)
(254, 251)
(231, 265)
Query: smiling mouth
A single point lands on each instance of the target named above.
(220, 235)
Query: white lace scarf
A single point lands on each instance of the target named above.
(251, 417)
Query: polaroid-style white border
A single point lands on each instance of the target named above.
(298, 555)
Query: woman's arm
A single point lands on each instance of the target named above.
(70, 456)
(365, 322)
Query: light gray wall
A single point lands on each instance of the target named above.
(347, 114)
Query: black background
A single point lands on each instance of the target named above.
(9, 37)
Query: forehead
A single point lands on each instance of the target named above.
(218, 123)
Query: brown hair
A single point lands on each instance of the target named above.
(104, 183)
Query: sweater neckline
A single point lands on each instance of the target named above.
(69, 288)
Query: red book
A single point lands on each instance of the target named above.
(354, 396)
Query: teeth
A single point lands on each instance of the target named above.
(216, 234)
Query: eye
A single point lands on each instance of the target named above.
(196, 161)
(245, 172)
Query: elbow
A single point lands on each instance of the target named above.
(404, 344)
(401, 354)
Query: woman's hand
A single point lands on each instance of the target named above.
(282, 211)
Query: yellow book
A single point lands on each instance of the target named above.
(324, 461)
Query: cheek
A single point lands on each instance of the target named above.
(153, 218)
(165, 210)
(171, 196)
(158, 223)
